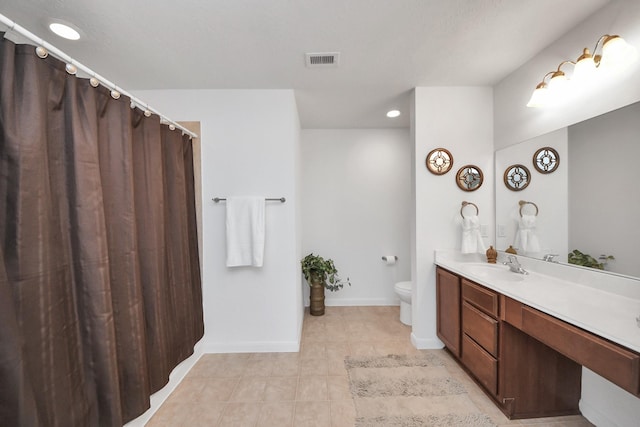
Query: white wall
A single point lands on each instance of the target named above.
(356, 208)
(608, 146)
(548, 191)
(250, 144)
(602, 403)
(459, 119)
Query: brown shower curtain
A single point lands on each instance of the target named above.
(100, 294)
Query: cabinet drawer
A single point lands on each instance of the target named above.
(511, 311)
(483, 366)
(615, 363)
(483, 298)
(482, 328)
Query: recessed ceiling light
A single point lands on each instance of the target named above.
(393, 113)
(64, 31)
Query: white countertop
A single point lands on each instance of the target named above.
(603, 304)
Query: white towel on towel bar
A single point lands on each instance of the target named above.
(245, 231)
(471, 237)
(526, 238)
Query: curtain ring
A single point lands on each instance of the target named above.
(71, 69)
(464, 204)
(41, 52)
(524, 202)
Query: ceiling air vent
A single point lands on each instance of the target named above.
(324, 59)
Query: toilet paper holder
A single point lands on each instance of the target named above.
(389, 258)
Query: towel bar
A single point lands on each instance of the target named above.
(465, 203)
(524, 202)
(274, 199)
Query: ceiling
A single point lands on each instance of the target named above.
(387, 47)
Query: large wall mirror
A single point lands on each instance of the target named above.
(591, 202)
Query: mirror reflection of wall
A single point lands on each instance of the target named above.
(604, 196)
(591, 202)
(547, 191)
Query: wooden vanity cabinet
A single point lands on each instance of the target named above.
(523, 376)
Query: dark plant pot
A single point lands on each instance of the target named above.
(316, 306)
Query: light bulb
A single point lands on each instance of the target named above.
(617, 54)
(393, 114)
(585, 67)
(558, 81)
(539, 97)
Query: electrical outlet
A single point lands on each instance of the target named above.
(501, 231)
(484, 230)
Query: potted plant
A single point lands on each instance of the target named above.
(320, 273)
(585, 260)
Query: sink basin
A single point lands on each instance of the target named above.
(493, 272)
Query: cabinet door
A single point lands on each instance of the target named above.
(448, 303)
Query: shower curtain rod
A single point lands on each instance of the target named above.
(15, 27)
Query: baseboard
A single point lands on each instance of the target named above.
(360, 302)
(426, 343)
(594, 416)
(252, 347)
(175, 377)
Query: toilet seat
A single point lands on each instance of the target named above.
(403, 287)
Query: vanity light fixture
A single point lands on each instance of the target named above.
(392, 114)
(615, 54)
(64, 30)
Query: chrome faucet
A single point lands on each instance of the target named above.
(550, 257)
(514, 265)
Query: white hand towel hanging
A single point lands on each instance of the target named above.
(471, 237)
(526, 238)
(245, 231)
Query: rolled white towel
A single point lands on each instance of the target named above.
(471, 237)
(526, 238)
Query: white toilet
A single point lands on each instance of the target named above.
(403, 289)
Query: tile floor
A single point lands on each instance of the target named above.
(309, 388)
